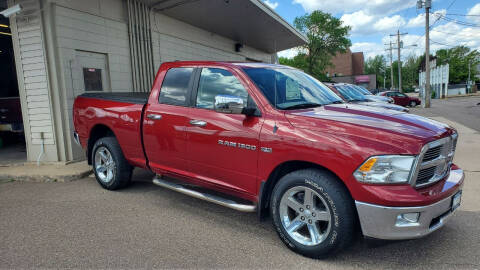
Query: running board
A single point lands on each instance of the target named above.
(204, 196)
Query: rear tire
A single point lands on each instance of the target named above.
(313, 213)
(413, 103)
(111, 169)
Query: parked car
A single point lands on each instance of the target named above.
(402, 99)
(274, 140)
(352, 95)
(371, 97)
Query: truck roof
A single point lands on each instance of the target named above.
(227, 63)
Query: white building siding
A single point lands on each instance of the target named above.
(176, 40)
(34, 75)
(75, 27)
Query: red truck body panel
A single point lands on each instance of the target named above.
(338, 137)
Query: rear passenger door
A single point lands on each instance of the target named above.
(165, 123)
(222, 148)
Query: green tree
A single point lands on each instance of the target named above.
(326, 37)
(458, 59)
(410, 73)
(377, 66)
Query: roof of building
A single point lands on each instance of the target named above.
(250, 22)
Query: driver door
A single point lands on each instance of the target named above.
(222, 148)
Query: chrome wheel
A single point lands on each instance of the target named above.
(104, 164)
(305, 215)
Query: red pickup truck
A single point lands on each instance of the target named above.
(272, 139)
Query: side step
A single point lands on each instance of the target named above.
(204, 196)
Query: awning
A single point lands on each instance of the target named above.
(362, 79)
(249, 22)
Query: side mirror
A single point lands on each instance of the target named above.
(229, 104)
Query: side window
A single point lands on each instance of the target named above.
(175, 86)
(216, 81)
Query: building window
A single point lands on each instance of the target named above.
(92, 78)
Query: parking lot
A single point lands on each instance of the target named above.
(79, 225)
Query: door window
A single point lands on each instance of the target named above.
(175, 86)
(216, 81)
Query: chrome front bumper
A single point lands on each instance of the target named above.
(380, 222)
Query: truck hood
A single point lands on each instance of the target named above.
(374, 123)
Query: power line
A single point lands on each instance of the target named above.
(457, 21)
(466, 15)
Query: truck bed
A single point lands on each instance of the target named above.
(127, 97)
(119, 112)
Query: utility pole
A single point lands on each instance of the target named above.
(468, 82)
(399, 46)
(391, 65)
(384, 76)
(427, 4)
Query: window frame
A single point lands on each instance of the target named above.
(190, 89)
(196, 84)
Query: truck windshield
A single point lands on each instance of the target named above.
(362, 90)
(289, 89)
(350, 93)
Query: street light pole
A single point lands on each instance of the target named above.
(399, 63)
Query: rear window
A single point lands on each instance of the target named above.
(175, 86)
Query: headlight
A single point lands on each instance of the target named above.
(385, 170)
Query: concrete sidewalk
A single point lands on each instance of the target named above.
(45, 172)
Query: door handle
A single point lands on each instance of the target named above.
(154, 116)
(198, 123)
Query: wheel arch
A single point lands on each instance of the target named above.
(98, 131)
(281, 170)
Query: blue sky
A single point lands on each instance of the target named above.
(372, 22)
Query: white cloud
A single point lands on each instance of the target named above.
(384, 7)
(475, 10)
(272, 5)
(389, 23)
(359, 21)
(290, 53)
(369, 49)
(365, 24)
(419, 21)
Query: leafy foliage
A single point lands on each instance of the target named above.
(378, 67)
(326, 37)
(459, 58)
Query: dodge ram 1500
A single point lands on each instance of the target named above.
(273, 140)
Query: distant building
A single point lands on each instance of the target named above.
(348, 67)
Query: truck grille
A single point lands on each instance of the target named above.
(432, 153)
(435, 161)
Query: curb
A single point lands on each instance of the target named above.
(46, 178)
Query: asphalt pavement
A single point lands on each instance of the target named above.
(80, 225)
(463, 110)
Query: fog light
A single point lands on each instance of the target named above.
(407, 219)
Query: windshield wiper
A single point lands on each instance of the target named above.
(302, 106)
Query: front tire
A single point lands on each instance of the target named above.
(111, 169)
(313, 213)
